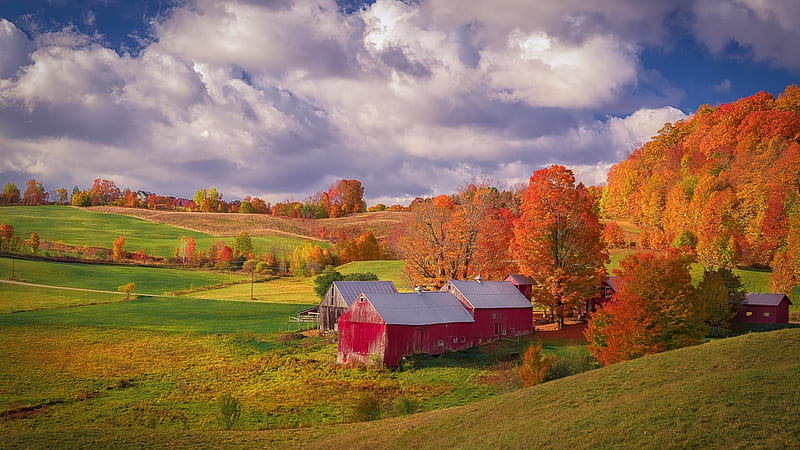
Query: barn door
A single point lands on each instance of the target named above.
(417, 341)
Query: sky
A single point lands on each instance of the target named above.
(281, 98)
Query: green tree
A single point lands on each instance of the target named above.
(242, 244)
(230, 409)
(10, 195)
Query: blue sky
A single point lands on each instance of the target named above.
(281, 98)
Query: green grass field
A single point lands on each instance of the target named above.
(280, 290)
(90, 228)
(148, 280)
(385, 270)
(24, 298)
(731, 393)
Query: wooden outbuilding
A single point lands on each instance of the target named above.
(606, 290)
(341, 294)
(764, 308)
(498, 307)
(385, 327)
(523, 283)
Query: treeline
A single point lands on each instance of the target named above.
(725, 183)
(342, 198)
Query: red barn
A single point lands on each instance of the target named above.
(381, 327)
(606, 291)
(498, 307)
(764, 308)
(341, 294)
(523, 283)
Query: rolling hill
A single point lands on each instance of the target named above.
(735, 393)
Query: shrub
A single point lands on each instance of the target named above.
(534, 366)
(229, 410)
(404, 405)
(572, 362)
(127, 289)
(367, 409)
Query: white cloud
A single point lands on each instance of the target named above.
(14, 49)
(413, 98)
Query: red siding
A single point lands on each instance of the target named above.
(774, 314)
(491, 324)
(363, 333)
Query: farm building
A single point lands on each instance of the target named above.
(385, 327)
(341, 295)
(764, 308)
(523, 283)
(606, 291)
(498, 307)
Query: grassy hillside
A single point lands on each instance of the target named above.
(100, 229)
(733, 393)
(385, 270)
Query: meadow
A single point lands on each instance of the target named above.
(91, 228)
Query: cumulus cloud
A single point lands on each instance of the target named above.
(281, 99)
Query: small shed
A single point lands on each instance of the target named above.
(341, 295)
(606, 290)
(523, 283)
(498, 307)
(385, 327)
(764, 308)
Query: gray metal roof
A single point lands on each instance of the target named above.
(350, 290)
(520, 279)
(489, 294)
(419, 308)
(754, 298)
(614, 282)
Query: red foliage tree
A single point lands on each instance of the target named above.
(557, 241)
(104, 192)
(654, 309)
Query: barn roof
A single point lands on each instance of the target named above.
(419, 308)
(350, 290)
(761, 299)
(614, 282)
(520, 280)
(490, 294)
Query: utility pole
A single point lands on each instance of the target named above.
(252, 282)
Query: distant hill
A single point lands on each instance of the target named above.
(727, 178)
(380, 224)
(734, 393)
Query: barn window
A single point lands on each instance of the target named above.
(455, 340)
(440, 343)
(463, 339)
(748, 313)
(494, 315)
(766, 314)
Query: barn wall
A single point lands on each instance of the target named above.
(493, 323)
(329, 315)
(362, 334)
(435, 339)
(757, 316)
(777, 314)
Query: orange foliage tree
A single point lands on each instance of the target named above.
(117, 251)
(455, 237)
(725, 175)
(654, 309)
(557, 241)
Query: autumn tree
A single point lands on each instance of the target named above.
(786, 262)
(34, 242)
(654, 309)
(613, 235)
(34, 193)
(104, 192)
(81, 198)
(10, 195)
(62, 196)
(117, 252)
(365, 247)
(557, 241)
(186, 250)
(344, 197)
(455, 237)
(534, 367)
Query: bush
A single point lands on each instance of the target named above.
(534, 366)
(229, 410)
(575, 360)
(404, 405)
(367, 409)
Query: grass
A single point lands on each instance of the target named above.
(184, 315)
(280, 290)
(22, 298)
(731, 393)
(148, 280)
(100, 229)
(385, 270)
